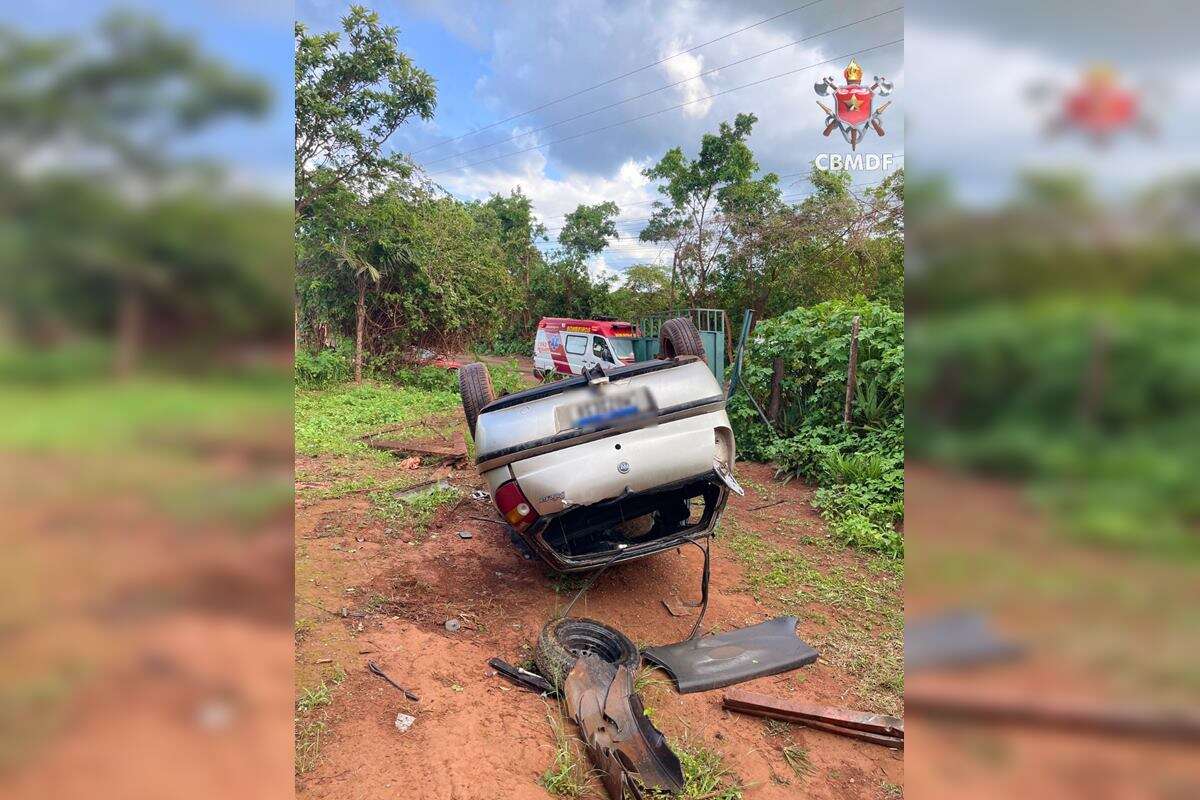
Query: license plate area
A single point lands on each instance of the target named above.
(606, 408)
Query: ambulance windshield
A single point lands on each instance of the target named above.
(622, 348)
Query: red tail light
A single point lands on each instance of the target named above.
(514, 507)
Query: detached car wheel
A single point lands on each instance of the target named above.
(679, 337)
(475, 388)
(562, 641)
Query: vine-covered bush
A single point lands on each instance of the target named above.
(1094, 402)
(325, 368)
(860, 468)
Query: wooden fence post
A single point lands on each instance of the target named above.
(853, 373)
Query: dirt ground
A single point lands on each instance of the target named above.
(1095, 625)
(370, 590)
(145, 656)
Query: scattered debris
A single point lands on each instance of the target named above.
(452, 625)
(215, 714)
(631, 755)
(480, 496)
(954, 639)
(767, 505)
(412, 462)
(523, 677)
(711, 662)
(428, 487)
(877, 728)
(677, 607)
(374, 669)
(404, 722)
(465, 535)
(454, 451)
(1074, 715)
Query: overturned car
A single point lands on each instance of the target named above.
(612, 465)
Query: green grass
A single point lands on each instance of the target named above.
(362, 483)
(865, 635)
(308, 743)
(778, 727)
(705, 774)
(327, 421)
(796, 757)
(568, 775)
(309, 729)
(321, 694)
(98, 416)
(416, 511)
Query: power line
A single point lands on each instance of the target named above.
(618, 77)
(663, 88)
(672, 108)
(641, 245)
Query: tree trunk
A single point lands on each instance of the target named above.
(360, 322)
(130, 324)
(852, 375)
(775, 403)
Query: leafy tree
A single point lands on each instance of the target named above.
(702, 192)
(518, 232)
(351, 97)
(123, 97)
(588, 230)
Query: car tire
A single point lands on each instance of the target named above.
(679, 337)
(475, 388)
(562, 641)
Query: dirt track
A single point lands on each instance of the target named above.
(367, 591)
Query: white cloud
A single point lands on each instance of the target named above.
(681, 68)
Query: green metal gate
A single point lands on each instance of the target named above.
(709, 321)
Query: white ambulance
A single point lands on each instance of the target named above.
(569, 346)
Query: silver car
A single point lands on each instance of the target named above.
(612, 465)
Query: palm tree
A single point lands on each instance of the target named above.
(364, 272)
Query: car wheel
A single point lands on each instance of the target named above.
(562, 641)
(679, 337)
(475, 388)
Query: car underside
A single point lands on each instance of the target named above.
(630, 526)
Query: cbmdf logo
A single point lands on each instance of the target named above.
(854, 111)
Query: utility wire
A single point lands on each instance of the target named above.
(671, 108)
(618, 77)
(663, 88)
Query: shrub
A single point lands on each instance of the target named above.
(326, 368)
(860, 466)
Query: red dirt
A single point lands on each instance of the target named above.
(477, 736)
(1090, 633)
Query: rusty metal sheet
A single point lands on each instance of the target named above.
(630, 754)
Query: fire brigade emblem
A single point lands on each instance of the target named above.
(854, 111)
(1098, 107)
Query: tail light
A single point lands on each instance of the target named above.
(514, 507)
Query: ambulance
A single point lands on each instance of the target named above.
(569, 346)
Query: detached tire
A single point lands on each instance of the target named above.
(679, 337)
(562, 641)
(475, 388)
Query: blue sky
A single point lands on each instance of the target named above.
(492, 60)
(255, 38)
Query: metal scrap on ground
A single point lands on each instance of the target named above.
(631, 755)
(876, 728)
(1049, 712)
